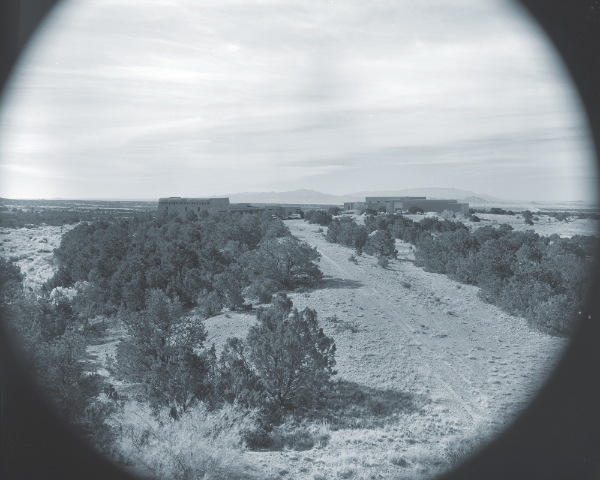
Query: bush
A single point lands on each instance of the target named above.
(381, 244)
(383, 262)
(528, 217)
(200, 444)
(60, 374)
(281, 264)
(160, 353)
(230, 284)
(210, 304)
(320, 217)
(290, 354)
(413, 210)
(10, 279)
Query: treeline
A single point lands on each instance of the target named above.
(560, 216)
(19, 218)
(214, 261)
(541, 278)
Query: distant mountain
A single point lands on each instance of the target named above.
(441, 193)
(475, 200)
(302, 196)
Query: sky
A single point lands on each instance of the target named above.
(194, 98)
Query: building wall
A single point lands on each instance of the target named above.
(286, 211)
(402, 204)
(437, 205)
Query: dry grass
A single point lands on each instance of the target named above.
(200, 444)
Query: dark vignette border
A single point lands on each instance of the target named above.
(556, 437)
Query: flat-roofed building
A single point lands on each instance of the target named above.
(244, 208)
(402, 204)
(355, 205)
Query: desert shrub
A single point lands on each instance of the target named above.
(474, 218)
(447, 214)
(102, 435)
(319, 217)
(413, 210)
(230, 284)
(161, 353)
(191, 216)
(210, 304)
(347, 325)
(290, 354)
(347, 232)
(263, 288)
(280, 264)
(10, 278)
(381, 243)
(497, 211)
(200, 444)
(383, 262)
(334, 210)
(60, 373)
(528, 217)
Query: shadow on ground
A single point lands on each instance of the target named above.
(351, 405)
(332, 282)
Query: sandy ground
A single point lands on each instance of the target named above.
(31, 249)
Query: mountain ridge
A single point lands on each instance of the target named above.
(307, 196)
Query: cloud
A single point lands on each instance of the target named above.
(256, 92)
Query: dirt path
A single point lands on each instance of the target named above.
(482, 363)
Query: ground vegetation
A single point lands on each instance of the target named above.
(543, 278)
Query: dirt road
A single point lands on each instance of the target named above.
(424, 332)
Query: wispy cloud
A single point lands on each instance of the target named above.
(198, 98)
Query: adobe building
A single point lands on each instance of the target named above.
(182, 206)
(402, 204)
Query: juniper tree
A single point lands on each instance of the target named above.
(161, 352)
(291, 355)
(382, 244)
